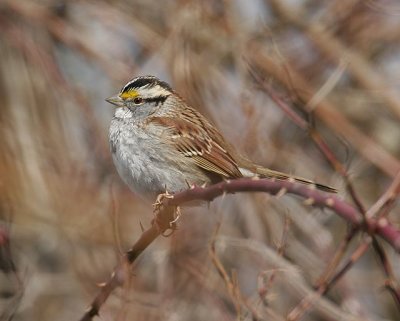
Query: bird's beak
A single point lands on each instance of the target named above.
(115, 100)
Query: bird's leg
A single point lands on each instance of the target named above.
(165, 218)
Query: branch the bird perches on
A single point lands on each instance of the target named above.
(312, 197)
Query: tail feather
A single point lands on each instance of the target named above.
(269, 173)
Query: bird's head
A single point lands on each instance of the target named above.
(143, 90)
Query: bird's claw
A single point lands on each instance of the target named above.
(172, 215)
(159, 201)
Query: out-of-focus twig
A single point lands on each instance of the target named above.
(233, 288)
(231, 282)
(333, 48)
(118, 276)
(38, 56)
(337, 257)
(263, 291)
(326, 111)
(389, 196)
(317, 138)
(314, 197)
(329, 155)
(327, 87)
(298, 312)
(391, 283)
(59, 28)
(9, 268)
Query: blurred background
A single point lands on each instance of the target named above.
(66, 216)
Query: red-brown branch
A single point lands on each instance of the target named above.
(381, 227)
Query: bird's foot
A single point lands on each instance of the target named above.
(165, 217)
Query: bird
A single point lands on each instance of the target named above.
(159, 143)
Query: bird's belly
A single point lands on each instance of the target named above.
(150, 169)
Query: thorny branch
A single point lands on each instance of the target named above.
(383, 204)
(381, 227)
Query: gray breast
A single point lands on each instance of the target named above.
(147, 163)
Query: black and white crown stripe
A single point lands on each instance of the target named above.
(147, 82)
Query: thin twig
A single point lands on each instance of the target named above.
(326, 111)
(280, 249)
(337, 257)
(299, 311)
(231, 283)
(387, 199)
(389, 196)
(233, 290)
(391, 283)
(118, 276)
(334, 48)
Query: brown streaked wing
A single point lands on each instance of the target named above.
(192, 137)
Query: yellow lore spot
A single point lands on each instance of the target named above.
(129, 94)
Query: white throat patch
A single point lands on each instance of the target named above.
(123, 112)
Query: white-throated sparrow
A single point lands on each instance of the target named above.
(159, 143)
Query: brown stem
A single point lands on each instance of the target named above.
(298, 312)
(331, 267)
(391, 283)
(381, 227)
(119, 274)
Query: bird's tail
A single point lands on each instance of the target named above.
(269, 173)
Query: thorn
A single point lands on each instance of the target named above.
(204, 185)
(309, 201)
(113, 274)
(291, 180)
(330, 202)
(383, 222)
(281, 192)
(101, 285)
(90, 308)
(141, 226)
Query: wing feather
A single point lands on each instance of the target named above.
(194, 137)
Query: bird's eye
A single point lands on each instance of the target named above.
(138, 100)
